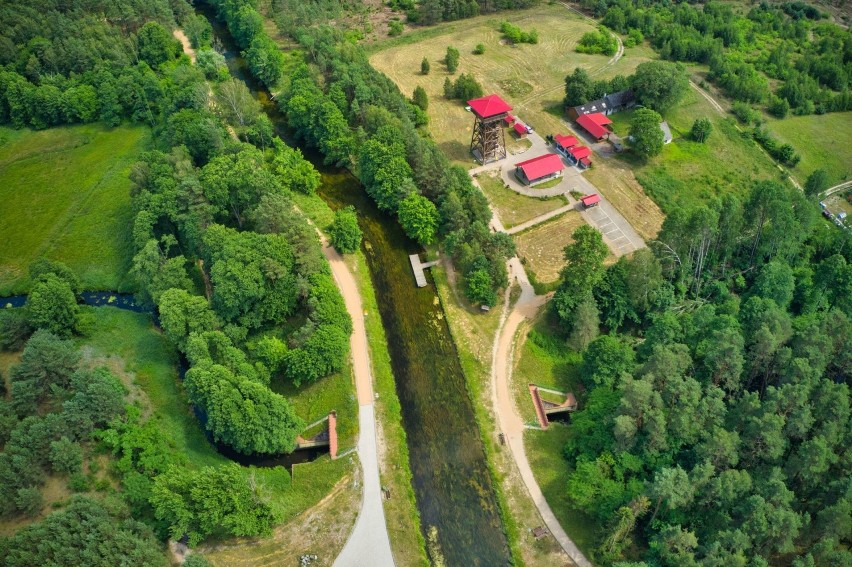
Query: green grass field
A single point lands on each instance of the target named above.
(687, 173)
(513, 207)
(66, 196)
(823, 141)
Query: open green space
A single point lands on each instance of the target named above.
(513, 207)
(687, 173)
(66, 196)
(824, 142)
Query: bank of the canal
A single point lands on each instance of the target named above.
(453, 487)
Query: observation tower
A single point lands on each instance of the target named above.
(488, 142)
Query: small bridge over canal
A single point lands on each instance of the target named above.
(545, 408)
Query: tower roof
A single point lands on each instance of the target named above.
(488, 106)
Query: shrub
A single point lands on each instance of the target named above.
(744, 112)
(344, 232)
(425, 67)
(452, 59)
(479, 49)
(701, 129)
(599, 41)
(514, 34)
(396, 28)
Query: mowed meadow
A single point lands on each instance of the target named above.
(65, 195)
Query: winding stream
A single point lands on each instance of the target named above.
(452, 484)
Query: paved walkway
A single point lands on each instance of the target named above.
(368, 543)
(540, 219)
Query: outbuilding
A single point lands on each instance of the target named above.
(520, 129)
(564, 143)
(509, 119)
(580, 156)
(539, 169)
(591, 200)
(596, 125)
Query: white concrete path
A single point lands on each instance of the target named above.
(368, 543)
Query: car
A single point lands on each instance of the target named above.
(529, 129)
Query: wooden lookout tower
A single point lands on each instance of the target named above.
(488, 142)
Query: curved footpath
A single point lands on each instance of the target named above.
(511, 424)
(368, 543)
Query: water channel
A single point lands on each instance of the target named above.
(452, 483)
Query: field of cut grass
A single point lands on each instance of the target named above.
(514, 208)
(66, 196)
(688, 173)
(824, 142)
(529, 77)
(540, 248)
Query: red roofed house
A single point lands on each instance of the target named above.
(509, 119)
(591, 200)
(520, 129)
(581, 156)
(538, 169)
(488, 142)
(595, 124)
(564, 143)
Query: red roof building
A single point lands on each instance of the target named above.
(595, 124)
(488, 106)
(591, 200)
(585, 163)
(520, 129)
(509, 119)
(539, 168)
(565, 142)
(579, 152)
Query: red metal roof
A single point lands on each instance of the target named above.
(520, 128)
(591, 199)
(580, 152)
(509, 119)
(586, 161)
(490, 105)
(594, 124)
(542, 165)
(565, 141)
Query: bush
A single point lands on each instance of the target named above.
(514, 34)
(745, 113)
(344, 232)
(599, 41)
(479, 49)
(395, 28)
(66, 456)
(778, 107)
(29, 501)
(464, 88)
(701, 129)
(425, 67)
(452, 59)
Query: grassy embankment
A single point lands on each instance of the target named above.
(401, 515)
(473, 333)
(530, 77)
(542, 358)
(66, 195)
(688, 173)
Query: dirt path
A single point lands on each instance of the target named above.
(510, 422)
(184, 41)
(369, 543)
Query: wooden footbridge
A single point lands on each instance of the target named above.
(419, 269)
(544, 408)
(325, 438)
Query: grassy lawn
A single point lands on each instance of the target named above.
(688, 173)
(823, 142)
(542, 358)
(66, 195)
(514, 208)
(540, 247)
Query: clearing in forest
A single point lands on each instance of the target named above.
(66, 195)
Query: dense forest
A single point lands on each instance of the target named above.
(788, 45)
(715, 424)
(235, 272)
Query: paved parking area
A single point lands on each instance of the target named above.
(619, 242)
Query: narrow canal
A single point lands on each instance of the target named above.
(452, 485)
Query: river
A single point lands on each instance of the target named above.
(452, 484)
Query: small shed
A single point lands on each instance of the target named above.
(591, 200)
(509, 119)
(539, 169)
(520, 129)
(595, 124)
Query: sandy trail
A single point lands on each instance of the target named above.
(184, 41)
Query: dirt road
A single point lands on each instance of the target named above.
(184, 41)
